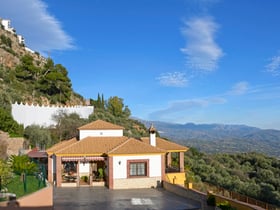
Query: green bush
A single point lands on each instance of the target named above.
(16, 186)
(225, 206)
(84, 178)
(211, 200)
(101, 173)
(8, 124)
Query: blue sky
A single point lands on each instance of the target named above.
(201, 61)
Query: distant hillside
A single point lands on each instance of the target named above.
(216, 138)
(26, 76)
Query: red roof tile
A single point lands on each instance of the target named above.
(36, 153)
(166, 145)
(98, 146)
(100, 125)
(60, 145)
(134, 146)
(95, 146)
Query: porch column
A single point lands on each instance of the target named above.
(168, 159)
(78, 173)
(181, 162)
(163, 161)
(58, 171)
(50, 169)
(110, 180)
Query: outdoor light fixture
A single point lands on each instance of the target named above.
(84, 160)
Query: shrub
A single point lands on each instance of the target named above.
(211, 200)
(225, 206)
(84, 178)
(101, 173)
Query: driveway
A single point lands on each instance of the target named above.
(84, 198)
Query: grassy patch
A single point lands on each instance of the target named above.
(16, 186)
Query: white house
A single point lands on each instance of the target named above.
(7, 25)
(21, 39)
(101, 154)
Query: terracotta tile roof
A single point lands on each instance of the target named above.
(61, 145)
(95, 146)
(36, 153)
(169, 146)
(98, 146)
(134, 146)
(100, 125)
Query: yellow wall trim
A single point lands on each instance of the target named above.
(112, 155)
(176, 178)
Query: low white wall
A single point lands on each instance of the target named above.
(43, 115)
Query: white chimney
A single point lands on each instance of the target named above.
(152, 132)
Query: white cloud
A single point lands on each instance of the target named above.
(186, 106)
(42, 31)
(202, 52)
(239, 88)
(274, 65)
(173, 79)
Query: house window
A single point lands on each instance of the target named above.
(138, 168)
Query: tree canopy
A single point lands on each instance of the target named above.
(5, 173)
(66, 125)
(116, 107)
(22, 164)
(8, 124)
(38, 136)
(251, 174)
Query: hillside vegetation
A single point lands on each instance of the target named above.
(251, 174)
(30, 78)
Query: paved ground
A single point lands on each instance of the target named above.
(84, 198)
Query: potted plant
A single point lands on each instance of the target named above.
(100, 174)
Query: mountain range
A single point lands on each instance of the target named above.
(221, 138)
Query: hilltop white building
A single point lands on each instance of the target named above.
(7, 26)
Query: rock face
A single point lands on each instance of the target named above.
(11, 50)
(10, 146)
(13, 53)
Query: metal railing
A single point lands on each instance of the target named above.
(235, 196)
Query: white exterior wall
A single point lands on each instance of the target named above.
(29, 50)
(84, 168)
(7, 25)
(100, 133)
(153, 139)
(120, 170)
(20, 39)
(42, 115)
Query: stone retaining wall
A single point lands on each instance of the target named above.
(199, 197)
